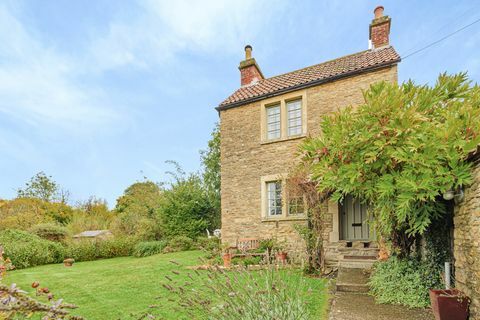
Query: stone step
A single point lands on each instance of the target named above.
(352, 280)
(356, 263)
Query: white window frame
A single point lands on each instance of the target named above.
(294, 117)
(285, 206)
(275, 133)
(284, 101)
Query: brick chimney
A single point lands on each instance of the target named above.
(250, 72)
(380, 29)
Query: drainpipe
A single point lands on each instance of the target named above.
(448, 271)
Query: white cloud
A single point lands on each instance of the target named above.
(38, 85)
(162, 29)
(44, 87)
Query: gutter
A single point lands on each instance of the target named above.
(308, 85)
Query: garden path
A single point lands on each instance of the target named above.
(360, 306)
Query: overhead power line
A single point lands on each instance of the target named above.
(441, 39)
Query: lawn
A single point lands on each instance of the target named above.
(117, 288)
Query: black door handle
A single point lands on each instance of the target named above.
(356, 224)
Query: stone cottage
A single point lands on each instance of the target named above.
(261, 125)
(466, 240)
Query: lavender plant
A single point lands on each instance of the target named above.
(240, 294)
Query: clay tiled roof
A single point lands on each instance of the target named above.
(314, 75)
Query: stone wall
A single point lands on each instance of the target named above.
(467, 244)
(245, 159)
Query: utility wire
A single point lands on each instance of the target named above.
(448, 24)
(441, 39)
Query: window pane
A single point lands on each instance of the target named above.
(274, 198)
(294, 117)
(296, 206)
(273, 122)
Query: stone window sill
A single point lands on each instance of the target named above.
(273, 219)
(283, 139)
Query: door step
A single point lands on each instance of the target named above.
(357, 262)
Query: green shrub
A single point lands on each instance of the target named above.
(179, 243)
(50, 231)
(149, 248)
(28, 250)
(406, 282)
(243, 295)
(88, 250)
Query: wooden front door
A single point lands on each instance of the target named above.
(354, 220)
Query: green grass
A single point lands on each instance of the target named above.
(116, 288)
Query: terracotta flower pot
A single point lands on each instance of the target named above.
(227, 260)
(449, 304)
(282, 257)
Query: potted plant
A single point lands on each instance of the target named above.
(68, 262)
(281, 253)
(226, 256)
(449, 304)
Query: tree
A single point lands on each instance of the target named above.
(399, 152)
(138, 211)
(186, 208)
(211, 173)
(43, 187)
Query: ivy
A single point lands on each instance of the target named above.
(399, 151)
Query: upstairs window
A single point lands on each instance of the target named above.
(274, 198)
(283, 118)
(294, 118)
(273, 122)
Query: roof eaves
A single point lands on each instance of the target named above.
(307, 85)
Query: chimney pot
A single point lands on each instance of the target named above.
(248, 52)
(249, 70)
(378, 12)
(380, 29)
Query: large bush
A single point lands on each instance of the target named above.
(179, 243)
(186, 209)
(50, 231)
(404, 281)
(138, 212)
(399, 152)
(28, 250)
(87, 250)
(149, 248)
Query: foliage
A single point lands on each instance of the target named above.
(138, 211)
(186, 208)
(438, 240)
(43, 187)
(87, 250)
(247, 260)
(240, 294)
(149, 248)
(93, 206)
(212, 249)
(126, 283)
(81, 221)
(179, 243)
(17, 304)
(28, 250)
(211, 173)
(399, 151)
(22, 213)
(404, 281)
(299, 185)
(50, 231)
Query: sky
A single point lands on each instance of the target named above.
(99, 94)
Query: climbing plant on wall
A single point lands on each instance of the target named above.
(399, 151)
